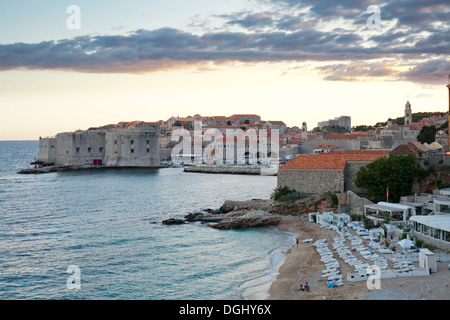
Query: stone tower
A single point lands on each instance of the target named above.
(304, 131)
(408, 114)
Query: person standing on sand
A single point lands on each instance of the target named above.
(307, 287)
(297, 242)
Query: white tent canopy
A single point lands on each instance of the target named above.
(441, 222)
(391, 207)
(406, 243)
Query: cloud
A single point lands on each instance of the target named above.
(294, 31)
(433, 71)
(357, 71)
(253, 20)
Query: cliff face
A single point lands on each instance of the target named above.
(433, 181)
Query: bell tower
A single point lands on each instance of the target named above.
(305, 131)
(408, 114)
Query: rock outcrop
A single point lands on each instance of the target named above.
(247, 222)
(173, 221)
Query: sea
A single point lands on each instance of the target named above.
(98, 235)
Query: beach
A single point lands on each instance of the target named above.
(302, 264)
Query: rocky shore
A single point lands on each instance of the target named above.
(233, 215)
(255, 213)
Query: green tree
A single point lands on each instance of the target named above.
(396, 172)
(427, 134)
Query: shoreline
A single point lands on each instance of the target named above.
(302, 264)
(262, 290)
(50, 169)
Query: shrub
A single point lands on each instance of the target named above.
(334, 199)
(368, 223)
(284, 194)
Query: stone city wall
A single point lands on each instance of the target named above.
(312, 181)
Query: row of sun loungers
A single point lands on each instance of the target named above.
(367, 253)
(331, 273)
(345, 252)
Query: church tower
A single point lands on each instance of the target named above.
(408, 114)
(304, 131)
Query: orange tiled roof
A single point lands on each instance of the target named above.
(340, 136)
(326, 146)
(333, 159)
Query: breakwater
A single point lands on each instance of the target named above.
(232, 170)
(79, 168)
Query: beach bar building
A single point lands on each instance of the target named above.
(397, 212)
(434, 229)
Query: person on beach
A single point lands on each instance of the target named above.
(297, 242)
(307, 287)
(301, 288)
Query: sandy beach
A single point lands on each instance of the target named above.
(302, 264)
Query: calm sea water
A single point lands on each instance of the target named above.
(108, 224)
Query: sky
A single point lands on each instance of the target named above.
(68, 65)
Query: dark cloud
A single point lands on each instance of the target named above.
(290, 31)
(434, 71)
(253, 20)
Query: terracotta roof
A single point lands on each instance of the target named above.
(394, 127)
(326, 146)
(245, 115)
(417, 146)
(410, 147)
(280, 123)
(333, 159)
(340, 136)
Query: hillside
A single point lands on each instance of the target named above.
(416, 117)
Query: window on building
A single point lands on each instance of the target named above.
(132, 142)
(115, 142)
(77, 150)
(132, 150)
(100, 149)
(148, 141)
(443, 208)
(148, 150)
(89, 150)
